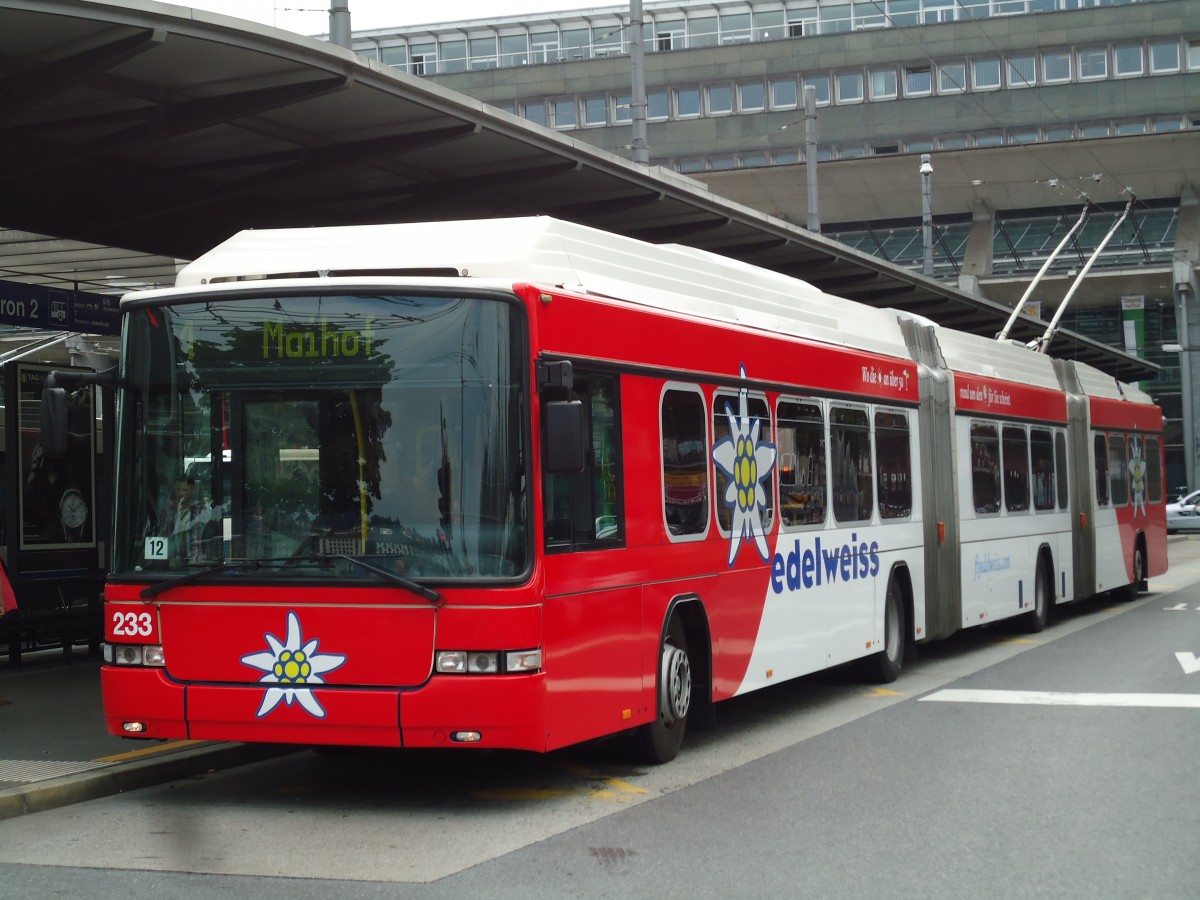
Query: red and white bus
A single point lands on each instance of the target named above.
(521, 483)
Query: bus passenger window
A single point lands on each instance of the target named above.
(853, 484)
(895, 465)
(985, 468)
(685, 463)
(802, 493)
(1154, 480)
(1118, 475)
(1041, 453)
(1101, 448)
(584, 508)
(725, 404)
(1016, 469)
(1060, 467)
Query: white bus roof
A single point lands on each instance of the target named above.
(546, 251)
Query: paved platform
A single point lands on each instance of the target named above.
(54, 749)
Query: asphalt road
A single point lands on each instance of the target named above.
(998, 765)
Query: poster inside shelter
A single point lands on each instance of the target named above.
(58, 496)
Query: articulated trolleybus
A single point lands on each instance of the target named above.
(520, 483)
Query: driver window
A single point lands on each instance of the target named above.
(583, 509)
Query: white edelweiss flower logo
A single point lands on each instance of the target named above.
(746, 461)
(1137, 476)
(295, 665)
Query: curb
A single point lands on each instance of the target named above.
(92, 785)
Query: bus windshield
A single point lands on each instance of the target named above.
(299, 430)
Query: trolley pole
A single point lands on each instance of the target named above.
(637, 60)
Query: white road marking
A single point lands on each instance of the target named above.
(1061, 698)
(1190, 663)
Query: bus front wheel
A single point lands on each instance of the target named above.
(659, 741)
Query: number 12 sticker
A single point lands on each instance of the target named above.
(156, 548)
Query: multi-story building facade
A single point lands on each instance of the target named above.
(1028, 109)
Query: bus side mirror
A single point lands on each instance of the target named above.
(563, 432)
(54, 419)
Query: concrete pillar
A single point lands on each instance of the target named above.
(1187, 318)
(977, 258)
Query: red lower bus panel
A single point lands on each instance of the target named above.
(351, 717)
(1156, 548)
(146, 696)
(507, 711)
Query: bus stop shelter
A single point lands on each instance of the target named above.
(163, 130)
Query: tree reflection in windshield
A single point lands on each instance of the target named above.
(381, 427)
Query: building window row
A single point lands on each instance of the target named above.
(679, 26)
(998, 137)
(871, 84)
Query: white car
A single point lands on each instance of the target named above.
(1184, 513)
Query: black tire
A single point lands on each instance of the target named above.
(659, 741)
(1139, 573)
(1035, 620)
(884, 666)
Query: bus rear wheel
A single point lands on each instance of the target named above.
(659, 741)
(1035, 620)
(1139, 572)
(884, 666)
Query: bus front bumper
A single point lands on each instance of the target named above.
(502, 711)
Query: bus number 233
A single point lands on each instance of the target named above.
(132, 624)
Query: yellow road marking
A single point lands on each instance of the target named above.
(147, 751)
(520, 793)
(625, 787)
(605, 788)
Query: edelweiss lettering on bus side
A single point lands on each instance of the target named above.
(293, 665)
(988, 565)
(817, 565)
(746, 461)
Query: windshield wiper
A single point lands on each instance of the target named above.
(407, 583)
(149, 593)
(246, 565)
(253, 565)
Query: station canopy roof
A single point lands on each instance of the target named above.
(164, 130)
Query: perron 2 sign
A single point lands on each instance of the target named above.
(34, 306)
